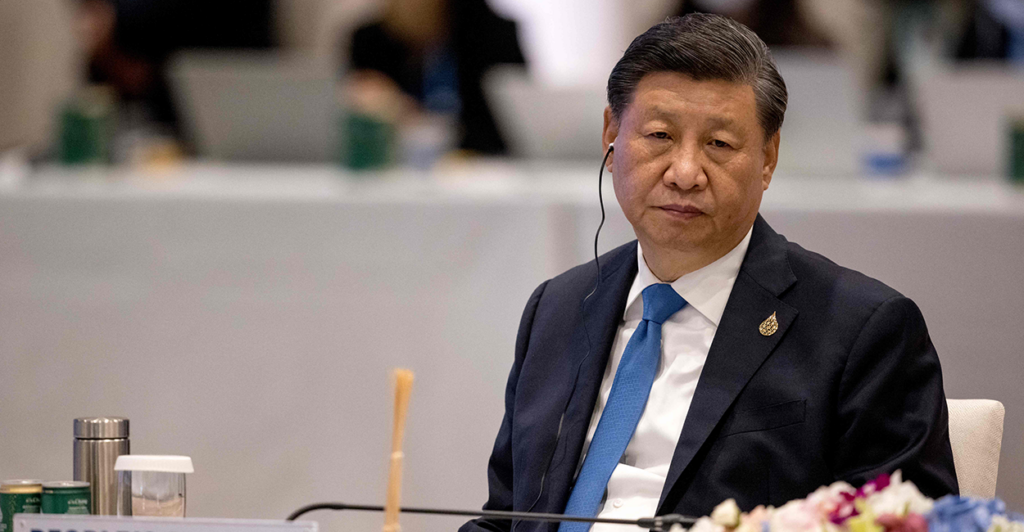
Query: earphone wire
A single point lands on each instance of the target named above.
(597, 235)
(572, 392)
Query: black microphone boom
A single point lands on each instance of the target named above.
(660, 523)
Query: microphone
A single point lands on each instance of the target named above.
(656, 524)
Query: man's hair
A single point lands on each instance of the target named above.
(704, 47)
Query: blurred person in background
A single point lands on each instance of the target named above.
(435, 52)
(776, 22)
(127, 44)
(892, 42)
(884, 40)
(992, 29)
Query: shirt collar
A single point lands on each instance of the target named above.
(706, 290)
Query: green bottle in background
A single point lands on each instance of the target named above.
(87, 127)
(369, 141)
(1016, 149)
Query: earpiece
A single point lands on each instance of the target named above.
(611, 146)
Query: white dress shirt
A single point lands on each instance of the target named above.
(636, 483)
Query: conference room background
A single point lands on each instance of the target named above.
(228, 220)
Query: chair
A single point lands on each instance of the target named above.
(976, 434)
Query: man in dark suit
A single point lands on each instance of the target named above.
(755, 370)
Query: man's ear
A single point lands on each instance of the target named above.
(771, 158)
(610, 132)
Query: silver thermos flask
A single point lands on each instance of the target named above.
(98, 443)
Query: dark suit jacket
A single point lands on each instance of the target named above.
(849, 387)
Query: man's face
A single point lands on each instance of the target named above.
(690, 163)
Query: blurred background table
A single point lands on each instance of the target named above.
(247, 315)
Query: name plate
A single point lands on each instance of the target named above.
(104, 523)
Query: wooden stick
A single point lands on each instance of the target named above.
(403, 387)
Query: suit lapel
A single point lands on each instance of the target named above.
(592, 343)
(739, 348)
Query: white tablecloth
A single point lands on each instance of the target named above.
(248, 316)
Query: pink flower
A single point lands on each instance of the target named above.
(834, 502)
(885, 504)
(909, 523)
(899, 498)
(828, 498)
(844, 510)
(799, 516)
(873, 486)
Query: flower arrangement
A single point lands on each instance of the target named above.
(886, 504)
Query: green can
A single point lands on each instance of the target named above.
(87, 126)
(1016, 151)
(369, 141)
(18, 497)
(67, 497)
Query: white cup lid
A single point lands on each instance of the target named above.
(148, 462)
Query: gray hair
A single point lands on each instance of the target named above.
(704, 47)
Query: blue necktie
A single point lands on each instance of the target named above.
(626, 401)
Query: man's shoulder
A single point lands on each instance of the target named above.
(580, 280)
(821, 280)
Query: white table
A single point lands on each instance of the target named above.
(248, 316)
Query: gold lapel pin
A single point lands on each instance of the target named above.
(769, 326)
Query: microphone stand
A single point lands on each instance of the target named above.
(660, 523)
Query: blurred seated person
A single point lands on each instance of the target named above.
(128, 42)
(992, 29)
(436, 52)
(776, 22)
